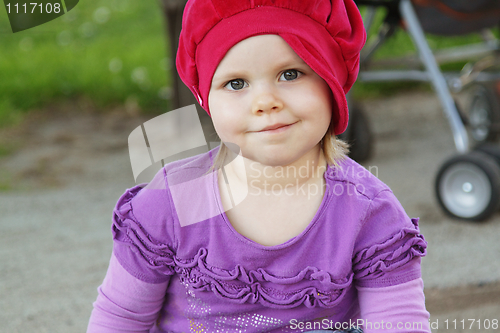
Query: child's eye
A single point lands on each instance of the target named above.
(236, 84)
(290, 75)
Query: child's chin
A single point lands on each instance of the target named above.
(272, 160)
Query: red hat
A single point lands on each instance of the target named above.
(327, 34)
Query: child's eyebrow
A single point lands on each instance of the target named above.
(289, 63)
(286, 63)
(230, 75)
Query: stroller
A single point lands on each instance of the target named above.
(467, 186)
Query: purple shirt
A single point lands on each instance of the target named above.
(222, 281)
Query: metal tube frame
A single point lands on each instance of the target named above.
(436, 77)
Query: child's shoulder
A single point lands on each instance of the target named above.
(173, 173)
(360, 179)
(150, 205)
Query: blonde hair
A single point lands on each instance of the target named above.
(334, 149)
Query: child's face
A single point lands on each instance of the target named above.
(262, 83)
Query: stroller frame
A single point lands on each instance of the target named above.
(432, 72)
(457, 177)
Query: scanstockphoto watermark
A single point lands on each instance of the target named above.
(387, 325)
(263, 181)
(327, 324)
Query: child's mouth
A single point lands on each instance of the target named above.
(277, 128)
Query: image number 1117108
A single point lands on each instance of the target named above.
(25, 15)
(49, 8)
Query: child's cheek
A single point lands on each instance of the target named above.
(222, 124)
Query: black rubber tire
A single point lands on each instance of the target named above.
(486, 95)
(359, 135)
(488, 168)
(490, 149)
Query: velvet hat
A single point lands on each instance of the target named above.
(327, 34)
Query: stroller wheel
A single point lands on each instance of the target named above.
(468, 186)
(491, 149)
(359, 135)
(484, 114)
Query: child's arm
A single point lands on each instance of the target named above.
(398, 308)
(125, 303)
(387, 269)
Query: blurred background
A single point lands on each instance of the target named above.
(116, 53)
(110, 52)
(72, 90)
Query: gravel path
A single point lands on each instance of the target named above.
(55, 238)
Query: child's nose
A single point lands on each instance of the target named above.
(266, 101)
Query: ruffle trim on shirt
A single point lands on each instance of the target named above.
(150, 260)
(381, 258)
(242, 286)
(127, 230)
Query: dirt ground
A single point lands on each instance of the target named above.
(69, 165)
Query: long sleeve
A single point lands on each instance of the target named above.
(125, 303)
(396, 309)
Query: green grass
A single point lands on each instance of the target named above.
(6, 150)
(6, 181)
(4, 187)
(71, 56)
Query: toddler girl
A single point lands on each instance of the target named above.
(275, 230)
